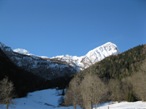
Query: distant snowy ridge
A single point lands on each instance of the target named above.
(93, 56)
(82, 62)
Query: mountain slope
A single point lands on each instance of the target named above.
(119, 66)
(23, 80)
(121, 76)
(46, 68)
(55, 72)
(26, 79)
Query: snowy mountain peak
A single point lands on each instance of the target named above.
(101, 52)
(93, 56)
(107, 47)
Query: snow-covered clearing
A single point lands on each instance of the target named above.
(49, 99)
(44, 99)
(123, 105)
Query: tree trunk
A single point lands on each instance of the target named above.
(75, 106)
(7, 106)
(88, 106)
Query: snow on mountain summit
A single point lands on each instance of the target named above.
(93, 56)
(101, 52)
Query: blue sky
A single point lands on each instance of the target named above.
(56, 27)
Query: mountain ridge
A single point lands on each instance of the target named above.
(82, 62)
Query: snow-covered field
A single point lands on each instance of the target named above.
(123, 105)
(44, 99)
(49, 99)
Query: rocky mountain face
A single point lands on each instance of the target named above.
(22, 80)
(45, 68)
(59, 66)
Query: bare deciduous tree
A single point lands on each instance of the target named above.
(92, 90)
(73, 93)
(120, 90)
(6, 91)
(138, 81)
(115, 88)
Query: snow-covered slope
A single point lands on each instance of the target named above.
(49, 99)
(93, 56)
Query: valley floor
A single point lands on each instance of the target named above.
(49, 99)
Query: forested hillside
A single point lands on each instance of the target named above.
(117, 78)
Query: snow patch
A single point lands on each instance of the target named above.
(44, 99)
(21, 51)
(122, 105)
